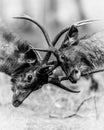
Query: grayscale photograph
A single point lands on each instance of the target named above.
(51, 64)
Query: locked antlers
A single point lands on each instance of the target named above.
(71, 37)
(47, 56)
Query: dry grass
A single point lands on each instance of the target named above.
(49, 108)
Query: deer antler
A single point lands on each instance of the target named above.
(42, 29)
(92, 72)
(57, 37)
(55, 40)
(84, 22)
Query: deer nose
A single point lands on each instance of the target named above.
(75, 75)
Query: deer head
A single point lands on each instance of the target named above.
(82, 55)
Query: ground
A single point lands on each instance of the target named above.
(54, 109)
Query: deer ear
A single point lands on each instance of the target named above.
(73, 35)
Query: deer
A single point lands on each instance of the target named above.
(26, 78)
(79, 56)
(24, 65)
(27, 73)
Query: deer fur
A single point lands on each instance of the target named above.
(14, 52)
(83, 54)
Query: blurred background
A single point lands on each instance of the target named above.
(53, 15)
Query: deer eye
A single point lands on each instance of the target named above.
(29, 77)
(13, 80)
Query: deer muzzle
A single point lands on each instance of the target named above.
(19, 96)
(75, 76)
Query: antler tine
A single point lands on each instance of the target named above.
(58, 84)
(84, 22)
(42, 29)
(43, 50)
(92, 72)
(59, 35)
(39, 56)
